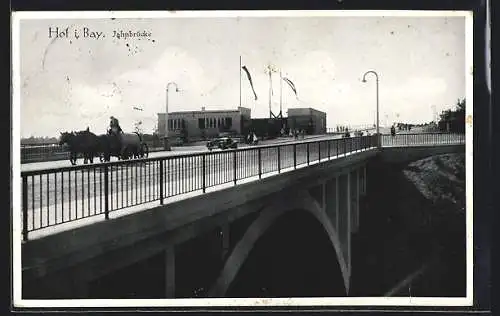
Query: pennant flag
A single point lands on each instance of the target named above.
(250, 80)
(290, 83)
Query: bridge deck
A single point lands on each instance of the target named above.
(64, 198)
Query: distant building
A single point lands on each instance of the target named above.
(198, 125)
(269, 127)
(308, 119)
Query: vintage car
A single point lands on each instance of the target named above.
(222, 143)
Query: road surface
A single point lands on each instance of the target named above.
(178, 151)
(59, 197)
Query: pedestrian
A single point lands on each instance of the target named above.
(393, 131)
(114, 125)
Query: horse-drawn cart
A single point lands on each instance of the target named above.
(124, 146)
(89, 145)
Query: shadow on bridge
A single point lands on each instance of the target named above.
(283, 263)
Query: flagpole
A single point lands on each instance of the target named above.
(270, 93)
(281, 94)
(240, 80)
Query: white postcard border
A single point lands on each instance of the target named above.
(227, 302)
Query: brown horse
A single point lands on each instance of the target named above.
(81, 142)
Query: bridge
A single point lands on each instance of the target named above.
(197, 218)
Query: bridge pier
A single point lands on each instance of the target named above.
(170, 272)
(343, 216)
(364, 179)
(337, 203)
(349, 224)
(354, 199)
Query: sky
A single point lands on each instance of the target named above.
(69, 83)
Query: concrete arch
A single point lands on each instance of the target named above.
(258, 228)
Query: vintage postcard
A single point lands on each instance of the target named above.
(257, 158)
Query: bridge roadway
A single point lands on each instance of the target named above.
(181, 151)
(62, 197)
(157, 154)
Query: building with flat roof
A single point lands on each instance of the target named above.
(200, 125)
(310, 120)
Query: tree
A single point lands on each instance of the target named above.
(453, 120)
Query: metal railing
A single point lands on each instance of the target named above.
(34, 153)
(422, 139)
(54, 196)
(52, 152)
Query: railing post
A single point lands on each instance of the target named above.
(328, 146)
(161, 182)
(260, 163)
(203, 167)
(25, 208)
(106, 191)
(279, 159)
(307, 149)
(337, 145)
(294, 156)
(234, 166)
(319, 151)
(345, 146)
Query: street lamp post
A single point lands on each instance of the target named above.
(166, 144)
(378, 122)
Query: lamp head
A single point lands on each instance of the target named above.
(177, 89)
(364, 80)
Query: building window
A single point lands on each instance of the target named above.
(229, 122)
